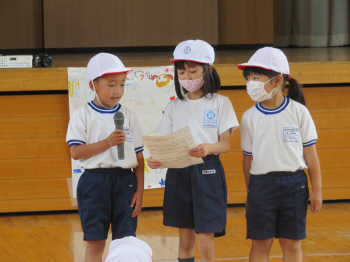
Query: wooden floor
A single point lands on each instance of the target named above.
(59, 237)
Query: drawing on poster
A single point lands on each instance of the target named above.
(147, 91)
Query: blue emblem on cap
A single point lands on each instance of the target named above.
(187, 50)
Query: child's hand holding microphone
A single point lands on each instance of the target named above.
(117, 137)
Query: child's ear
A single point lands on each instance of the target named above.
(279, 80)
(91, 86)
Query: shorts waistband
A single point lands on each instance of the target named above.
(110, 170)
(279, 173)
(211, 157)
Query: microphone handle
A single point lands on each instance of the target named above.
(120, 147)
(121, 152)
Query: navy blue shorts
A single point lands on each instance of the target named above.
(104, 197)
(277, 205)
(195, 197)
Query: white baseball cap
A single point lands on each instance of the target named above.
(103, 64)
(194, 50)
(129, 249)
(268, 58)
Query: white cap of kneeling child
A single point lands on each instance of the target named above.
(129, 249)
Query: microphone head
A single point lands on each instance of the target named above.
(119, 118)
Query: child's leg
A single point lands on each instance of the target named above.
(187, 242)
(291, 249)
(206, 247)
(260, 250)
(94, 250)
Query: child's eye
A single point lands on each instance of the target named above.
(255, 78)
(111, 85)
(193, 72)
(122, 85)
(181, 73)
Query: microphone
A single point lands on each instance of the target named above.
(119, 123)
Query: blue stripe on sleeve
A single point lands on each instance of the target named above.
(310, 143)
(75, 142)
(247, 153)
(139, 149)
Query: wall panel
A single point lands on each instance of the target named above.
(245, 22)
(21, 24)
(87, 23)
(123, 23)
(164, 23)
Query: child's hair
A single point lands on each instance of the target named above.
(211, 79)
(294, 91)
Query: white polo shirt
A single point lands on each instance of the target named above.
(207, 117)
(276, 137)
(90, 124)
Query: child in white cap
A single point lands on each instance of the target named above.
(195, 197)
(278, 138)
(110, 190)
(129, 249)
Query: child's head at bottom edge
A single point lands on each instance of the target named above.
(129, 249)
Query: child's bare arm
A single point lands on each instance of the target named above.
(86, 151)
(220, 147)
(311, 159)
(247, 163)
(137, 198)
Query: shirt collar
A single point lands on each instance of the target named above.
(103, 110)
(277, 110)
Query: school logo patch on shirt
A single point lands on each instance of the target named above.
(291, 134)
(210, 118)
(127, 132)
(206, 172)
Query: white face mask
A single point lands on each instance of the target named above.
(257, 91)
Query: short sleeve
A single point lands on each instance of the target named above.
(165, 126)
(76, 133)
(227, 116)
(307, 129)
(246, 135)
(137, 135)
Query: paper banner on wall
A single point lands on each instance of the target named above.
(147, 91)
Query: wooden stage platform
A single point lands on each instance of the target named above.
(35, 161)
(308, 65)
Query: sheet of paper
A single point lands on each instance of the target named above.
(172, 150)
